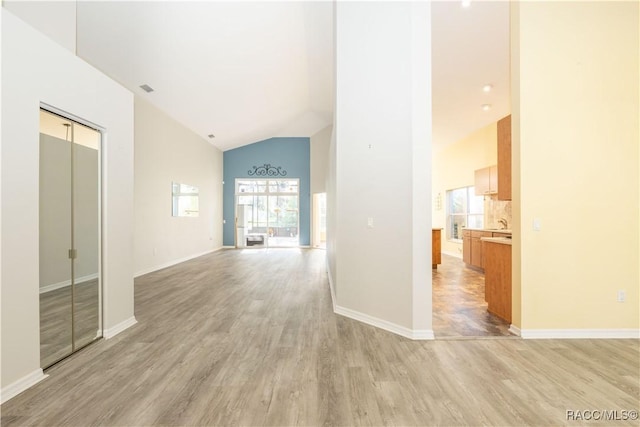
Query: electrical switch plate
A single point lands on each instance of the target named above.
(622, 296)
(370, 222)
(537, 224)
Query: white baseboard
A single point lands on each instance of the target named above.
(115, 330)
(515, 330)
(17, 387)
(175, 261)
(580, 333)
(422, 334)
(59, 285)
(419, 334)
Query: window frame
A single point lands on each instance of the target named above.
(466, 215)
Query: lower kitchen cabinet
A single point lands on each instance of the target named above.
(436, 247)
(472, 247)
(466, 246)
(497, 278)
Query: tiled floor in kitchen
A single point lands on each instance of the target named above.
(459, 308)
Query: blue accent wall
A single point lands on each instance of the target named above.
(292, 154)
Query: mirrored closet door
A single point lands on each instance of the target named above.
(70, 286)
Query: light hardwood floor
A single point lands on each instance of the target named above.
(249, 338)
(55, 320)
(459, 308)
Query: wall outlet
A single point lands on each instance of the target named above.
(622, 296)
(369, 222)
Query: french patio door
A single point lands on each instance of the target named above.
(267, 213)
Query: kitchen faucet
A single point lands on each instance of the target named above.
(503, 222)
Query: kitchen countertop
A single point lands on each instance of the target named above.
(502, 240)
(493, 230)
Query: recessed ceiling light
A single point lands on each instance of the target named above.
(146, 88)
(211, 136)
(466, 3)
(487, 88)
(486, 107)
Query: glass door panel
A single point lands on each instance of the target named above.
(267, 213)
(56, 340)
(283, 220)
(86, 227)
(251, 221)
(69, 233)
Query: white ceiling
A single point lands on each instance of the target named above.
(470, 48)
(247, 71)
(243, 71)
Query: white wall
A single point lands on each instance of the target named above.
(577, 127)
(319, 169)
(382, 165)
(166, 151)
(319, 147)
(71, 85)
(332, 216)
(55, 19)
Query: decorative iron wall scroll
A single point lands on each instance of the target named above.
(267, 170)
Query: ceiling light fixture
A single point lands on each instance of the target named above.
(486, 107)
(211, 136)
(466, 3)
(146, 88)
(487, 88)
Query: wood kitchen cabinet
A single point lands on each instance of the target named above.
(472, 247)
(476, 247)
(466, 246)
(436, 247)
(500, 234)
(504, 158)
(486, 180)
(497, 278)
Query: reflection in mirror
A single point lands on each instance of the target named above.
(69, 237)
(184, 200)
(86, 243)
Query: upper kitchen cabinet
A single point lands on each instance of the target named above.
(504, 158)
(486, 181)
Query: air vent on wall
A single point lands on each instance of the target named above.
(146, 88)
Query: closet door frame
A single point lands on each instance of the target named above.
(102, 131)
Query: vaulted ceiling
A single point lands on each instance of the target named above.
(247, 71)
(242, 71)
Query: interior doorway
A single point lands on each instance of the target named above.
(319, 218)
(267, 213)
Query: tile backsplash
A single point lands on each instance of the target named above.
(494, 210)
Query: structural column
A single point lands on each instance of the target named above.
(382, 235)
